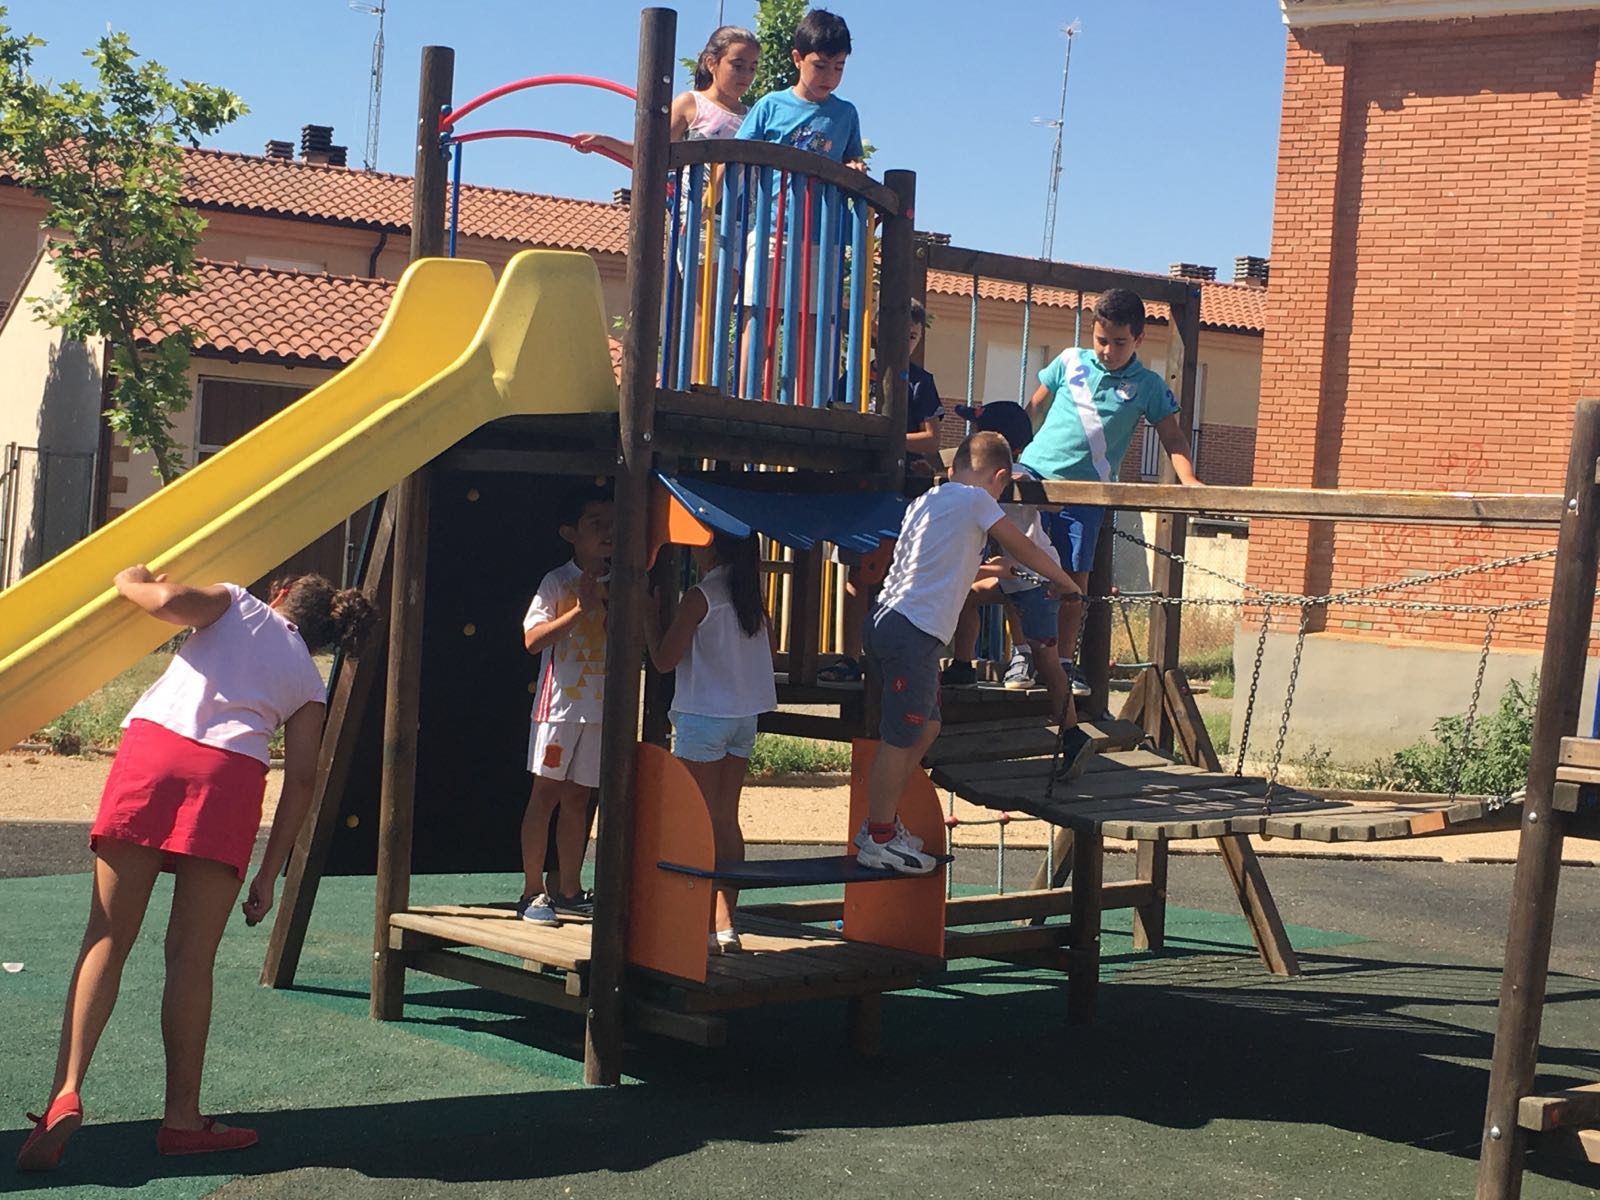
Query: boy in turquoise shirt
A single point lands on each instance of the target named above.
(1097, 399)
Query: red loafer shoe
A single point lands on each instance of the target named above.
(48, 1141)
(208, 1140)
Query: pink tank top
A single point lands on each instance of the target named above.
(711, 120)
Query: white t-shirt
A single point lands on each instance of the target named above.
(1026, 518)
(726, 672)
(235, 681)
(937, 555)
(572, 683)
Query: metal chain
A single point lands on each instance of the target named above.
(1255, 686)
(1061, 728)
(1472, 709)
(1288, 703)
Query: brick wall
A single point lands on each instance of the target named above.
(1435, 282)
(1227, 454)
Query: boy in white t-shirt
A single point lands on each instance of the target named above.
(567, 623)
(935, 561)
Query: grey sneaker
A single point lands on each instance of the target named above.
(1080, 681)
(1019, 675)
(863, 837)
(895, 855)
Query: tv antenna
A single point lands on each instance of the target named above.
(369, 158)
(1059, 125)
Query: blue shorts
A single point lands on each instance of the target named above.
(711, 739)
(1038, 612)
(1074, 532)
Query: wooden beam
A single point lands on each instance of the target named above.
(1574, 1107)
(403, 689)
(1533, 887)
(894, 322)
(1039, 272)
(805, 615)
(1083, 978)
(1150, 918)
(1303, 504)
(647, 219)
(717, 151)
(354, 693)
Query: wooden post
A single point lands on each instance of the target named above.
(1172, 529)
(1095, 654)
(602, 1047)
(1083, 958)
(1150, 920)
(403, 693)
(805, 614)
(894, 323)
(1533, 888)
(354, 693)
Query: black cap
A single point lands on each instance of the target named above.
(1005, 417)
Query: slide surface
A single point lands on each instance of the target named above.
(454, 352)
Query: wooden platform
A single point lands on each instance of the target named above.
(1138, 795)
(781, 962)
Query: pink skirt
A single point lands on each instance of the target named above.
(176, 795)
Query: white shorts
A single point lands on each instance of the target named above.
(567, 750)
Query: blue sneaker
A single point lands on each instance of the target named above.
(538, 910)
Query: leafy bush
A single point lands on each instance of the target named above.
(1491, 761)
(776, 754)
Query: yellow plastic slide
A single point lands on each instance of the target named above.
(453, 353)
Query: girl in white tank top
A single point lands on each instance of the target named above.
(720, 647)
(722, 74)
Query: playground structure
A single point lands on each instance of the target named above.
(476, 400)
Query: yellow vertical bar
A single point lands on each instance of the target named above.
(864, 334)
(707, 277)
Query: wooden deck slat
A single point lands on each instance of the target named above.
(566, 947)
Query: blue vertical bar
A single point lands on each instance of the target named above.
(741, 250)
(821, 371)
(691, 277)
(794, 313)
(727, 232)
(858, 299)
(841, 239)
(455, 196)
(670, 316)
(762, 267)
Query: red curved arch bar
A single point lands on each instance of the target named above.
(542, 135)
(447, 121)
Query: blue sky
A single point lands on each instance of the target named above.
(1171, 123)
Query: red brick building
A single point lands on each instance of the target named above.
(1435, 285)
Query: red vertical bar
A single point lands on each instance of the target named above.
(777, 279)
(802, 377)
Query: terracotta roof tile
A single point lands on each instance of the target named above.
(1235, 308)
(275, 315)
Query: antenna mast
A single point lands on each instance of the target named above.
(1059, 125)
(369, 159)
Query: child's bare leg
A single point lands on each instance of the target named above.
(890, 770)
(536, 832)
(729, 786)
(123, 877)
(1047, 668)
(1070, 620)
(202, 898)
(572, 833)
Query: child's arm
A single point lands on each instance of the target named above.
(1177, 447)
(667, 649)
(924, 440)
(1023, 548)
(588, 143)
(302, 741)
(545, 634)
(175, 603)
(1036, 401)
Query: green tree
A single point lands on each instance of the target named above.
(775, 24)
(107, 160)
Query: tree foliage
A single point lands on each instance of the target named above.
(107, 160)
(775, 25)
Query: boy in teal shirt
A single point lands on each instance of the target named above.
(1098, 397)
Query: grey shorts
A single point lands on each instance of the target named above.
(908, 660)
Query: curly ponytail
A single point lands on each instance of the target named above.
(325, 617)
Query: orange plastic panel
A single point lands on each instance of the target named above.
(907, 914)
(669, 913)
(872, 568)
(671, 524)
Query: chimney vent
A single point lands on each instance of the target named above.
(1192, 271)
(928, 238)
(315, 139)
(622, 197)
(1252, 271)
(282, 150)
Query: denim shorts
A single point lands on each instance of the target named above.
(1074, 532)
(908, 659)
(710, 739)
(1038, 612)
